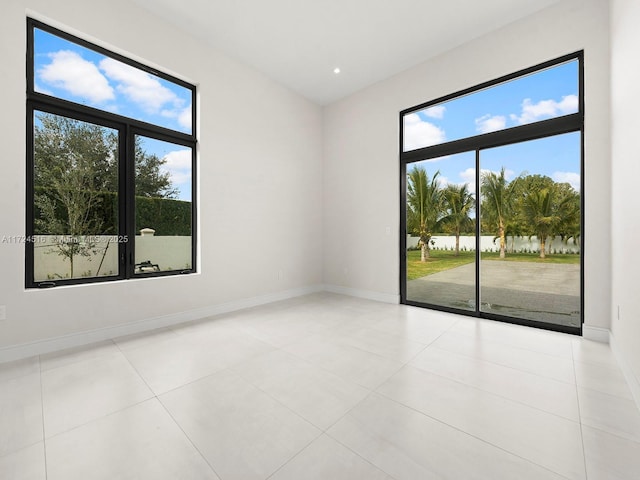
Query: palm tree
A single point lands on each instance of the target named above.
(517, 224)
(424, 206)
(458, 202)
(570, 222)
(497, 203)
(542, 214)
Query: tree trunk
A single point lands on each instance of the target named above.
(424, 252)
(71, 263)
(542, 246)
(457, 244)
(502, 241)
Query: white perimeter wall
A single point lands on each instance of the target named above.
(260, 155)
(361, 180)
(625, 103)
(489, 243)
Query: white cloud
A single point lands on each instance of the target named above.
(70, 72)
(41, 89)
(468, 176)
(184, 118)
(178, 166)
(571, 178)
(419, 134)
(138, 86)
(443, 181)
(435, 112)
(488, 123)
(532, 112)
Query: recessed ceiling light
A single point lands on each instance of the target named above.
(336, 70)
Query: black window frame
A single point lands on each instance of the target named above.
(128, 128)
(541, 129)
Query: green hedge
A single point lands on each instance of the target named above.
(166, 216)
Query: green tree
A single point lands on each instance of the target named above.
(542, 214)
(567, 200)
(75, 170)
(151, 181)
(424, 207)
(458, 202)
(517, 224)
(497, 204)
(74, 162)
(551, 209)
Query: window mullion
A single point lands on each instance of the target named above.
(129, 201)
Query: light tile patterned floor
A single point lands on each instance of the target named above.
(322, 387)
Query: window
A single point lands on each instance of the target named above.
(492, 199)
(110, 165)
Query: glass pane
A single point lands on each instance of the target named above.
(72, 72)
(75, 199)
(549, 93)
(530, 224)
(441, 239)
(163, 206)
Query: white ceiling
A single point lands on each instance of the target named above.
(300, 42)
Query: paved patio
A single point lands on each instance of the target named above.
(535, 291)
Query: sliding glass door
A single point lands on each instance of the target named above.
(530, 222)
(491, 199)
(440, 234)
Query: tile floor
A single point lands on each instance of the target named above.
(322, 387)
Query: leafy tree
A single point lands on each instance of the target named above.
(73, 163)
(517, 224)
(544, 208)
(75, 170)
(568, 203)
(542, 214)
(424, 207)
(150, 180)
(458, 202)
(497, 203)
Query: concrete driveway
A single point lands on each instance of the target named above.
(535, 291)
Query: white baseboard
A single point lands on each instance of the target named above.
(632, 380)
(25, 350)
(369, 295)
(596, 334)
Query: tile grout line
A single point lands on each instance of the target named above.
(227, 369)
(157, 397)
(517, 402)
(470, 435)
(518, 369)
(326, 432)
(517, 328)
(44, 437)
(188, 437)
(584, 450)
(323, 431)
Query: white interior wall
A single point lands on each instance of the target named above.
(260, 155)
(361, 189)
(625, 78)
(261, 146)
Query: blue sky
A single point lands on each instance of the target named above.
(71, 72)
(178, 163)
(546, 94)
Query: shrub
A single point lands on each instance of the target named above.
(165, 215)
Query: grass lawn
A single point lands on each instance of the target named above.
(438, 261)
(441, 260)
